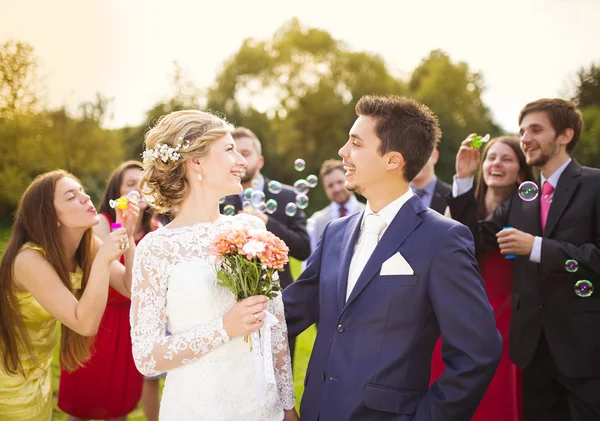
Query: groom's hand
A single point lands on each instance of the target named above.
(246, 316)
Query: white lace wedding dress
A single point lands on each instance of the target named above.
(210, 376)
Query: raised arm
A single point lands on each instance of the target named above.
(35, 274)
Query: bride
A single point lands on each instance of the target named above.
(190, 162)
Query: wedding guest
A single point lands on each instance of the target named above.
(54, 270)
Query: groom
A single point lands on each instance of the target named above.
(385, 283)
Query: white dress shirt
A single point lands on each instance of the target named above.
(388, 213)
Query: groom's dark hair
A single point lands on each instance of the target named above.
(403, 125)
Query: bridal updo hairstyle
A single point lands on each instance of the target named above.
(175, 138)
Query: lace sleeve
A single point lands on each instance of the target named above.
(153, 351)
(281, 355)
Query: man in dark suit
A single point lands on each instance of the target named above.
(291, 229)
(384, 283)
(432, 191)
(556, 274)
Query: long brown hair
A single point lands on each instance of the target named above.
(525, 170)
(36, 222)
(113, 192)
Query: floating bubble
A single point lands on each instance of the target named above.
(262, 206)
(301, 186)
(312, 181)
(247, 206)
(258, 196)
(299, 164)
(528, 191)
(247, 194)
(222, 200)
(255, 182)
(571, 266)
(291, 209)
(275, 187)
(584, 288)
(243, 172)
(133, 196)
(479, 141)
(229, 210)
(302, 201)
(271, 206)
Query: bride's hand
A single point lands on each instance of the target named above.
(246, 316)
(291, 415)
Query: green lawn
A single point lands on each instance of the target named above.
(304, 344)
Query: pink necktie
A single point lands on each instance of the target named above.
(545, 202)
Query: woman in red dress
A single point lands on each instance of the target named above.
(502, 169)
(109, 385)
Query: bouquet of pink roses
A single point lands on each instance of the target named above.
(249, 262)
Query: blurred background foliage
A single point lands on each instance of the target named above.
(295, 90)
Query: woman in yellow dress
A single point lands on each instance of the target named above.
(54, 269)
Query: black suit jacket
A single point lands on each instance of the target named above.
(291, 229)
(543, 294)
(439, 201)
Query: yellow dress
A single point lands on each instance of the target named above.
(29, 398)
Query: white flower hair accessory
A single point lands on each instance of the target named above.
(165, 152)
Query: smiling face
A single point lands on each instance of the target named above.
(222, 167)
(334, 186)
(539, 140)
(365, 167)
(500, 166)
(74, 209)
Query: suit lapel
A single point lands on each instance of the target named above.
(401, 227)
(351, 235)
(566, 186)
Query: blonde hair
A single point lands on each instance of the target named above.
(194, 131)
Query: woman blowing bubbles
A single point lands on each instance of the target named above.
(53, 269)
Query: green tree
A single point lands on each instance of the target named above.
(587, 151)
(453, 92)
(18, 79)
(587, 86)
(297, 92)
(586, 95)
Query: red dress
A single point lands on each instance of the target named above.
(502, 400)
(109, 385)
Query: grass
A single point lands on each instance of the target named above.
(304, 344)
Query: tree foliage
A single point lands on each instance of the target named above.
(18, 79)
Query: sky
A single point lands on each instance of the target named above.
(125, 49)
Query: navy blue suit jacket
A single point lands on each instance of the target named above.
(372, 355)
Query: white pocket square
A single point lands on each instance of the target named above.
(396, 265)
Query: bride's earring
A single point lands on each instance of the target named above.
(199, 177)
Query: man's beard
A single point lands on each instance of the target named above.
(545, 157)
(249, 176)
